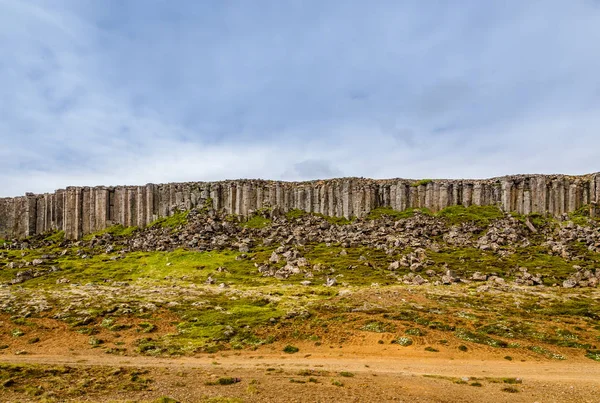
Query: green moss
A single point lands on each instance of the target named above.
(336, 220)
(256, 222)
(295, 213)
(421, 182)
(479, 214)
(55, 237)
(178, 219)
(466, 261)
(354, 270)
(115, 230)
(382, 212)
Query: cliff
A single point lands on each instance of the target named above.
(82, 210)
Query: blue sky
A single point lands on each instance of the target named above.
(129, 92)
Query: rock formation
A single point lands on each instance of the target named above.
(82, 210)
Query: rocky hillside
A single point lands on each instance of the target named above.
(457, 245)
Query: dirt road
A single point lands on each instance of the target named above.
(352, 376)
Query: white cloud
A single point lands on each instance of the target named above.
(288, 94)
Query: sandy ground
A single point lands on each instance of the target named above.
(384, 375)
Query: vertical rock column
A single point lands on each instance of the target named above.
(7, 217)
(73, 213)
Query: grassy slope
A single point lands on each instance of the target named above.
(263, 309)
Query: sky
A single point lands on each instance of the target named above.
(117, 92)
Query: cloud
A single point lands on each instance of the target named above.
(312, 169)
(111, 93)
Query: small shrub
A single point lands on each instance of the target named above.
(403, 341)
(431, 349)
(17, 333)
(508, 358)
(335, 382)
(290, 349)
(292, 380)
(477, 384)
(593, 354)
(347, 374)
(415, 331)
(462, 347)
(94, 342)
(377, 327)
(512, 381)
(510, 389)
(225, 381)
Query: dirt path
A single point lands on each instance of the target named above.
(277, 377)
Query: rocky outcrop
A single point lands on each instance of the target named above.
(82, 210)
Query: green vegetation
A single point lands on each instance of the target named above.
(381, 212)
(581, 216)
(421, 182)
(55, 237)
(378, 327)
(403, 341)
(61, 383)
(256, 222)
(295, 213)
(116, 230)
(547, 353)
(593, 354)
(290, 349)
(177, 219)
(481, 215)
(467, 335)
(415, 331)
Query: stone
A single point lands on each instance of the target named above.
(274, 258)
(418, 280)
(394, 266)
(330, 282)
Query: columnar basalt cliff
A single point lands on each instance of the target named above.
(83, 210)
